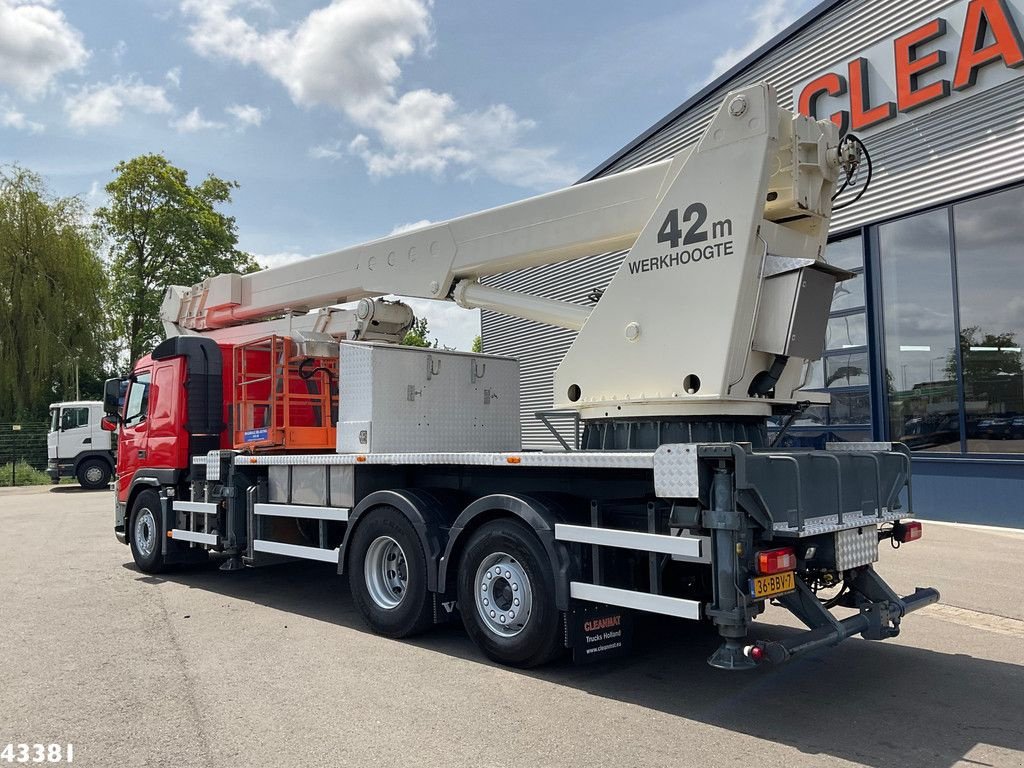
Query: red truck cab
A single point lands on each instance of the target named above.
(173, 410)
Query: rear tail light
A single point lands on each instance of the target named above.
(776, 560)
(904, 532)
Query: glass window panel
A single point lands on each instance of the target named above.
(850, 408)
(817, 438)
(74, 418)
(847, 370)
(846, 331)
(847, 253)
(815, 379)
(917, 301)
(849, 294)
(813, 416)
(990, 277)
(138, 400)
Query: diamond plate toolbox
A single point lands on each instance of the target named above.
(395, 399)
(856, 547)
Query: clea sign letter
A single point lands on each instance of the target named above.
(971, 46)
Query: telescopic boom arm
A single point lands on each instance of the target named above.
(696, 311)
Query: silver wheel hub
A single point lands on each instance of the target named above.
(145, 533)
(386, 572)
(503, 594)
(94, 474)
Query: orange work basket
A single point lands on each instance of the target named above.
(283, 400)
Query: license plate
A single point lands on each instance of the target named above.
(772, 585)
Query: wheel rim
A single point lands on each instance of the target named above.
(504, 596)
(93, 475)
(386, 572)
(145, 533)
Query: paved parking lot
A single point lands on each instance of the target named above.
(274, 667)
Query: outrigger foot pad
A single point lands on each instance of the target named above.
(232, 564)
(730, 656)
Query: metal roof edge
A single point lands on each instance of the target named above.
(796, 27)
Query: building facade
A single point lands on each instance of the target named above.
(924, 343)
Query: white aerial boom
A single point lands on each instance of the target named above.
(721, 298)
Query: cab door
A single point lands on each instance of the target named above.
(133, 443)
(75, 433)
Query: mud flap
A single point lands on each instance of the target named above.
(599, 633)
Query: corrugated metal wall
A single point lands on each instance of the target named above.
(964, 147)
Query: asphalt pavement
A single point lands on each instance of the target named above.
(274, 667)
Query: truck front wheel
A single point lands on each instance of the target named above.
(387, 573)
(507, 595)
(144, 533)
(93, 474)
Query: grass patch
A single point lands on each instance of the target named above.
(24, 474)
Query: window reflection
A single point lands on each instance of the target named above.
(846, 254)
(917, 289)
(849, 294)
(846, 331)
(990, 275)
(847, 370)
(851, 406)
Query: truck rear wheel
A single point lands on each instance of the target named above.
(144, 533)
(93, 474)
(387, 573)
(507, 595)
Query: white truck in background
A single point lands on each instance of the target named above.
(77, 447)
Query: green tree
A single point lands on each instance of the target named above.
(478, 344)
(417, 335)
(50, 278)
(162, 231)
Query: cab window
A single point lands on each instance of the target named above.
(137, 404)
(70, 418)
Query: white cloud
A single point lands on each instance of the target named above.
(246, 115)
(330, 151)
(348, 55)
(193, 122)
(769, 17)
(401, 229)
(104, 104)
(271, 260)
(10, 117)
(173, 77)
(36, 44)
(118, 51)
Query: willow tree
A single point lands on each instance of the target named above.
(161, 231)
(50, 282)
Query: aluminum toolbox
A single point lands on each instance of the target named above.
(396, 399)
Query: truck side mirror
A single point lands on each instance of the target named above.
(109, 423)
(111, 396)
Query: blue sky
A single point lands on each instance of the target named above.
(345, 120)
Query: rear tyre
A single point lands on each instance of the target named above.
(387, 573)
(93, 474)
(507, 595)
(144, 533)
